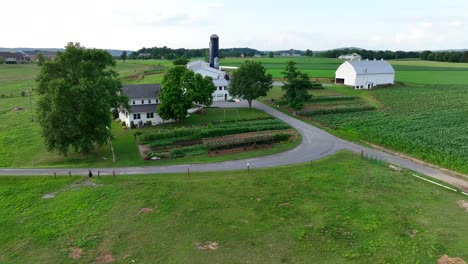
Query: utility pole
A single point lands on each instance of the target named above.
(30, 103)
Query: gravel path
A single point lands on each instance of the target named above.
(316, 144)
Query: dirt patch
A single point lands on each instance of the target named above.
(448, 260)
(248, 135)
(463, 204)
(105, 258)
(84, 183)
(238, 150)
(146, 210)
(133, 77)
(283, 204)
(144, 150)
(208, 245)
(17, 109)
(75, 253)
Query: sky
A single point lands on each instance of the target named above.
(259, 24)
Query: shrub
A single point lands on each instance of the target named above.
(278, 137)
(132, 125)
(149, 123)
(140, 124)
(123, 124)
(189, 151)
(23, 93)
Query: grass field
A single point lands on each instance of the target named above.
(342, 209)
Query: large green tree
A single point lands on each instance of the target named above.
(76, 93)
(297, 86)
(181, 88)
(250, 81)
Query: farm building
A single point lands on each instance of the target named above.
(220, 77)
(365, 74)
(352, 57)
(144, 100)
(14, 57)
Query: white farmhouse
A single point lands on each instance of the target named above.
(220, 78)
(365, 74)
(352, 57)
(144, 100)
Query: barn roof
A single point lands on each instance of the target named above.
(135, 91)
(371, 66)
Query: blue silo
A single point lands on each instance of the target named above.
(214, 51)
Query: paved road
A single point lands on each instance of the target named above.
(316, 144)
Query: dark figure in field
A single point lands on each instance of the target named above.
(90, 174)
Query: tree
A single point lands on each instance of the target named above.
(40, 59)
(180, 61)
(309, 53)
(296, 87)
(76, 92)
(182, 87)
(200, 89)
(123, 57)
(271, 54)
(2, 60)
(250, 81)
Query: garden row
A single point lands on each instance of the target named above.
(338, 110)
(215, 130)
(200, 149)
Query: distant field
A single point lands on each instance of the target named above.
(410, 71)
(337, 210)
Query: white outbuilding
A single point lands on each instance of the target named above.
(352, 57)
(365, 74)
(220, 79)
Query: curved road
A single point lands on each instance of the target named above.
(316, 144)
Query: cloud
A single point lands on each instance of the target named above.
(454, 24)
(426, 24)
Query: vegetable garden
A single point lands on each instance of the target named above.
(171, 143)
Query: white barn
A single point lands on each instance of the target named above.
(220, 78)
(353, 56)
(365, 74)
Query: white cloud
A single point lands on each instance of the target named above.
(454, 24)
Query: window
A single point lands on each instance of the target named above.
(136, 116)
(157, 101)
(133, 102)
(149, 115)
(219, 95)
(149, 101)
(220, 88)
(142, 101)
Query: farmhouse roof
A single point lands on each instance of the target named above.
(371, 67)
(135, 91)
(148, 108)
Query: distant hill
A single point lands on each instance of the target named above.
(113, 52)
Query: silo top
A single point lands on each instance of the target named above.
(214, 36)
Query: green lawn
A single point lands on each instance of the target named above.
(339, 210)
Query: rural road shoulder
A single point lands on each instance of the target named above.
(316, 144)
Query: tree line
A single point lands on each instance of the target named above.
(372, 54)
(171, 54)
(449, 56)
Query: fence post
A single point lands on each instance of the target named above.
(362, 154)
(98, 173)
(113, 173)
(69, 173)
(55, 174)
(188, 172)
